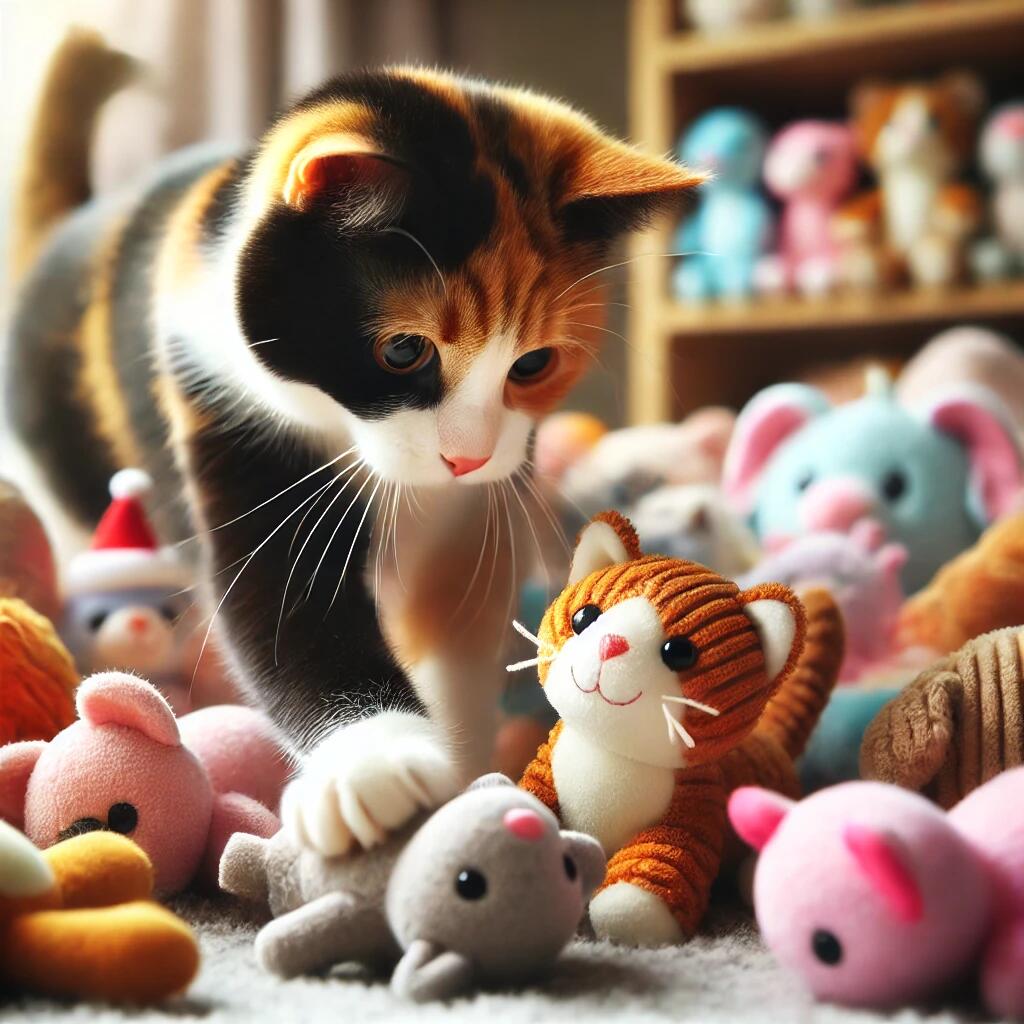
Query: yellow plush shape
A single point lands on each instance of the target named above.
(77, 921)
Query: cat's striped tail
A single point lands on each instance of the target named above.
(83, 73)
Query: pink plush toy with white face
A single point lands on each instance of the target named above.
(177, 788)
(875, 897)
(811, 166)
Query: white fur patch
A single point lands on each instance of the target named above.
(631, 916)
(776, 629)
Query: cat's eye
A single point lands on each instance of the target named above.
(894, 485)
(168, 612)
(826, 947)
(470, 884)
(679, 653)
(404, 353)
(96, 621)
(586, 616)
(532, 365)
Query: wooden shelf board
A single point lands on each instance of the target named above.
(776, 315)
(891, 27)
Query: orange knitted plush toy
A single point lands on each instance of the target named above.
(663, 674)
(77, 920)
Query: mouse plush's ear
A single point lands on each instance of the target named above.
(607, 540)
(780, 621)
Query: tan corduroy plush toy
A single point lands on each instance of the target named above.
(958, 724)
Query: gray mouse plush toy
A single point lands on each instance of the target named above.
(486, 889)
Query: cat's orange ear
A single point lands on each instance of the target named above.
(340, 163)
(608, 539)
(780, 621)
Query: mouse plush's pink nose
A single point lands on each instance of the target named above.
(524, 824)
(461, 466)
(611, 646)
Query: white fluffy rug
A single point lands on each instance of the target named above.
(724, 975)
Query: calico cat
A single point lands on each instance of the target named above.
(673, 688)
(330, 353)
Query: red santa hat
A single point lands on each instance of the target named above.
(124, 553)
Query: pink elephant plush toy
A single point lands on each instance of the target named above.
(178, 788)
(811, 166)
(875, 897)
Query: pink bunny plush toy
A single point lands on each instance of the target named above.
(178, 788)
(875, 897)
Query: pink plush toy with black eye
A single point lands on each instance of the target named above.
(875, 897)
(811, 166)
(178, 787)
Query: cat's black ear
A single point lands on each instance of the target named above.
(363, 185)
(611, 188)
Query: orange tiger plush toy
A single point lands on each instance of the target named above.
(663, 674)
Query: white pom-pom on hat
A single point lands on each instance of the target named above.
(130, 483)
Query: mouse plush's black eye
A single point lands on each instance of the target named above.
(826, 947)
(404, 353)
(470, 884)
(586, 616)
(570, 868)
(80, 827)
(122, 818)
(679, 653)
(531, 365)
(894, 485)
(96, 620)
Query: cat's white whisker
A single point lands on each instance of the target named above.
(545, 507)
(524, 632)
(352, 546)
(512, 545)
(541, 560)
(265, 341)
(334, 533)
(691, 703)
(675, 728)
(412, 238)
(479, 560)
(625, 263)
(518, 666)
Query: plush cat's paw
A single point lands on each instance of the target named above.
(365, 780)
(630, 916)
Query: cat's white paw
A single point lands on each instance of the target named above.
(365, 780)
(630, 916)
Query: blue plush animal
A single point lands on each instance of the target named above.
(933, 477)
(731, 227)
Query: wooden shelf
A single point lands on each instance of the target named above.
(894, 28)
(794, 314)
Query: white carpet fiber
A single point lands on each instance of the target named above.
(724, 975)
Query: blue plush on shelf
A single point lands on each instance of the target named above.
(724, 238)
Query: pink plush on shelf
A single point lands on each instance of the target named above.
(178, 788)
(811, 166)
(875, 897)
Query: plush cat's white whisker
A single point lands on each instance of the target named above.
(675, 728)
(524, 632)
(518, 666)
(691, 703)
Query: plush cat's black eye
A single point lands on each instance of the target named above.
(96, 621)
(894, 485)
(532, 364)
(570, 868)
(470, 884)
(122, 818)
(679, 653)
(404, 353)
(586, 616)
(826, 947)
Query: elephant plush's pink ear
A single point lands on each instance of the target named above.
(879, 859)
(17, 762)
(979, 421)
(756, 813)
(768, 419)
(118, 698)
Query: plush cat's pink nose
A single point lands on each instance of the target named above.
(461, 466)
(524, 824)
(611, 646)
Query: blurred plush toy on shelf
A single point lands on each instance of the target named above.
(916, 137)
(728, 15)
(723, 239)
(1001, 154)
(819, 10)
(810, 166)
(127, 598)
(933, 475)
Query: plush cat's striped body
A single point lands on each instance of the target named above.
(325, 343)
(673, 688)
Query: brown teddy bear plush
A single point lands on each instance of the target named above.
(958, 724)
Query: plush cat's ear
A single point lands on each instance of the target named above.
(607, 540)
(778, 616)
(339, 165)
(612, 188)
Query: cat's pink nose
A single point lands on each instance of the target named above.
(461, 466)
(611, 646)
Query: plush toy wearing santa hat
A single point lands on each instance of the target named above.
(128, 599)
